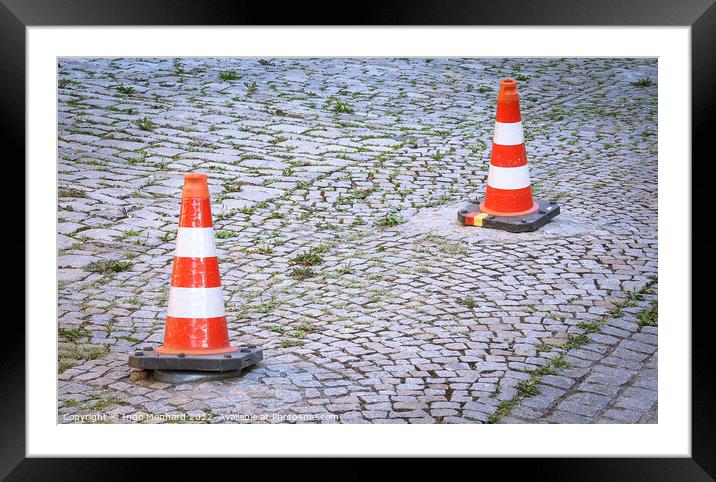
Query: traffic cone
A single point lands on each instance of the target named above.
(508, 203)
(196, 337)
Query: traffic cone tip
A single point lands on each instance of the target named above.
(508, 91)
(195, 186)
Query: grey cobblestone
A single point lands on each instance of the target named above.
(608, 393)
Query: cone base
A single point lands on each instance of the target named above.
(243, 357)
(472, 215)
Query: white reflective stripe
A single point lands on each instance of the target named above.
(508, 177)
(508, 133)
(195, 243)
(195, 302)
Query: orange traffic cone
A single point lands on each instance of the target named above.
(196, 322)
(508, 203)
(196, 337)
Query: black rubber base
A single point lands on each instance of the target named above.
(149, 359)
(514, 224)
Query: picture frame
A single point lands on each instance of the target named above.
(16, 16)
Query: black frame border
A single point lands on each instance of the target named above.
(700, 15)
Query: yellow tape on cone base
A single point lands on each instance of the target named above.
(475, 219)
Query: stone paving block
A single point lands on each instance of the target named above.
(568, 417)
(623, 415)
(547, 395)
(585, 404)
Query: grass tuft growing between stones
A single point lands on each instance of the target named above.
(106, 266)
(75, 334)
(64, 83)
(590, 327)
(71, 192)
(302, 272)
(342, 108)
(96, 402)
(265, 249)
(291, 343)
(643, 83)
(527, 388)
(344, 269)
(269, 305)
(145, 124)
(63, 366)
(575, 341)
(101, 403)
(312, 257)
(649, 316)
(250, 88)
(388, 220)
(468, 302)
(543, 347)
(225, 234)
(447, 246)
(71, 354)
(309, 258)
(227, 75)
(503, 409)
(125, 89)
(130, 233)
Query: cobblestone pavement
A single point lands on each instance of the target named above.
(400, 315)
